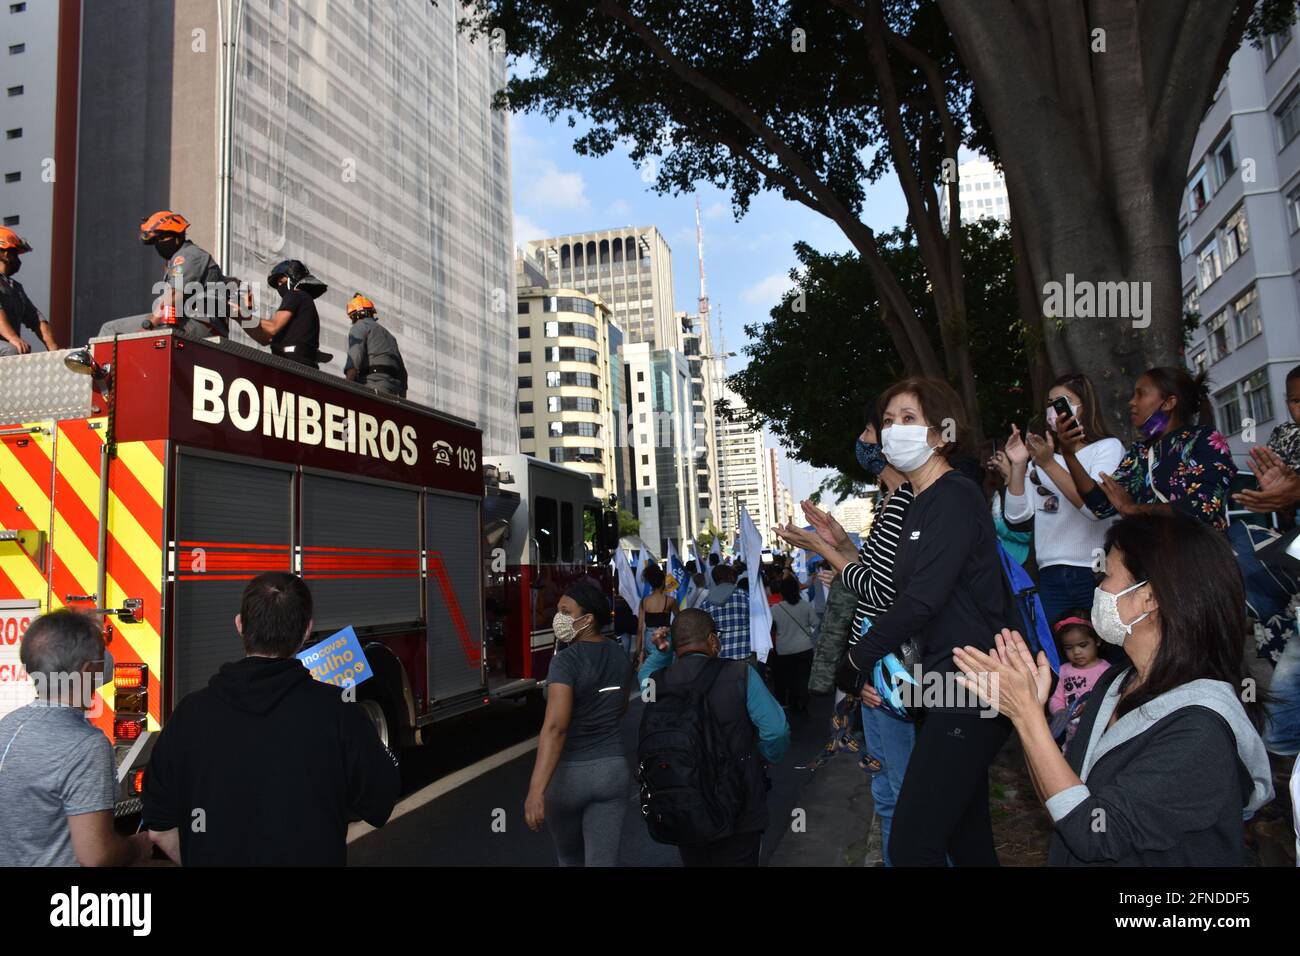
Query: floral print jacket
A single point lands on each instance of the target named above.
(1193, 470)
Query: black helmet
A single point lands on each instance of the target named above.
(292, 268)
(298, 276)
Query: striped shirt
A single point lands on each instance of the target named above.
(871, 577)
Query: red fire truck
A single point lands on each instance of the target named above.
(152, 489)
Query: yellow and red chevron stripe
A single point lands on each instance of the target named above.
(135, 522)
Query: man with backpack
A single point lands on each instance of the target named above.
(709, 728)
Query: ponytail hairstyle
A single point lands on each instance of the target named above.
(1193, 394)
(1094, 423)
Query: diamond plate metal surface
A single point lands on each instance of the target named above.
(38, 386)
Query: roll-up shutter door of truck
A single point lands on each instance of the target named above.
(361, 552)
(233, 522)
(455, 584)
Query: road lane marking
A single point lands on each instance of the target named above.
(444, 785)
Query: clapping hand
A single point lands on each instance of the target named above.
(1118, 495)
(1000, 462)
(826, 527)
(1015, 448)
(1008, 679)
(1041, 449)
(1279, 485)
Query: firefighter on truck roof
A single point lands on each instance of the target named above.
(293, 332)
(16, 310)
(192, 296)
(374, 359)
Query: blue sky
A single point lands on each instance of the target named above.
(556, 192)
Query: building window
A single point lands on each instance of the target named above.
(1199, 362)
(1184, 245)
(15, 91)
(645, 459)
(1235, 238)
(1192, 302)
(526, 433)
(525, 408)
(525, 358)
(1209, 266)
(17, 7)
(1217, 335)
(1293, 208)
(551, 330)
(525, 381)
(521, 308)
(552, 379)
(640, 376)
(1245, 316)
(1288, 118)
(1225, 161)
(525, 332)
(1229, 410)
(1198, 192)
(645, 480)
(12, 221)
(646, 500)
(1274, 44)
(556, 429)
(1255, 397)
(13, 177)
(16, 48)
(14, 133)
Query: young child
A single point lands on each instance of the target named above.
(1081, 668)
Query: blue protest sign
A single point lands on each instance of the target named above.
(337, 660)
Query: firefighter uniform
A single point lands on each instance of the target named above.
(200, 308)
(18, 311)
(372, 352)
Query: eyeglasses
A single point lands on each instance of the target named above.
(1051, 502)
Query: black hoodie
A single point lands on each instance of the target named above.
(265, 766)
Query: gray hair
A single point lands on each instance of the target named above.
(59, 644)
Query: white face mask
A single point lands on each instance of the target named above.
(906, 446)
(562, 624)
(1051, 414)
(1105, 615)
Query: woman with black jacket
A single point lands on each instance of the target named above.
(950, 589)
(1167, 760)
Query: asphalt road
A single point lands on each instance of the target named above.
(476, 815)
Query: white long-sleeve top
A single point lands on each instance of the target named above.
(1068, 535)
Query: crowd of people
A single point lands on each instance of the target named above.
(1159, 701)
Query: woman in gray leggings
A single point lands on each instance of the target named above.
(581, 781)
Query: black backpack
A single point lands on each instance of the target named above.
(692, 786)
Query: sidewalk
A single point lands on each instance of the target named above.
(839, 829)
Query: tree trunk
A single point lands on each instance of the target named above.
(1095, 145)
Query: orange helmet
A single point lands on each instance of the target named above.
(10, 240)
(162, 223)
(359, 303)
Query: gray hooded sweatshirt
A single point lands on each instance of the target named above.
(1167, 785)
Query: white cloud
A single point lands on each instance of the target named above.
(619, 207)
(716, 210)
(526, 229)
(549, 187)
(768, 291)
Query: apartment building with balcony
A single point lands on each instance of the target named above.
(1239, 236)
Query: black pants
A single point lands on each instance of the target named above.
(790, 673)
(739, 849)
(943, 806)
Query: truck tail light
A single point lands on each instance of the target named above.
(131, 689)
(137, 781)
(130, 676)
(128, 728)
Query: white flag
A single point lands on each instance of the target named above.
(627, 581)
(760, 613)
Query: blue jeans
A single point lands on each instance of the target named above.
(1282, 716)
(1063, 587)
(890, 741)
